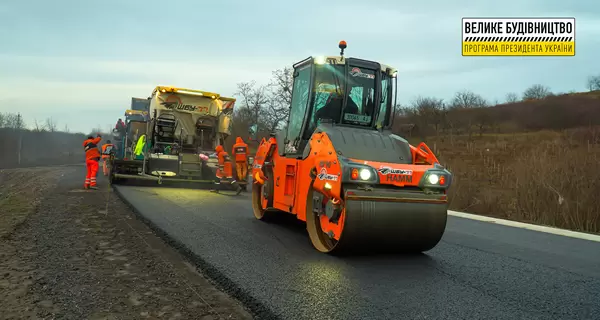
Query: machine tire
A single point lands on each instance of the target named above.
(263, 212)
(111, 175)
(112, 180)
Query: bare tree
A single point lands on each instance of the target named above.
(593, 83)
(12, 121)
(37, 127)
(457, 116)
(536, 92)
(280, 100)
(428, 111)
(267, 106)
(50, 125)
(275, 113)
(254, 99)
(403, 113)
(282, 82)
(512, 97)
(468, 99)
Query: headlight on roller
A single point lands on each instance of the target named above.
(362, 174)
(436, 179)
(365, 174)
(433, 178)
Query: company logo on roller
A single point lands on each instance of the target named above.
(518, 36)
(356, 72)
(396, 175)
(388, 170)
(323, 175)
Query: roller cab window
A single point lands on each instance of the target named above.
(300, 96)
(329, 93)
(360, 105)
(333, 88)
(386, 100)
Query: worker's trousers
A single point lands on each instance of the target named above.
(92, 171)
(242, 170)
(105, 166)
(225, 171)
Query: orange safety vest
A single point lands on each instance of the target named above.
(90, 146)
(106, 150)
(240, 150)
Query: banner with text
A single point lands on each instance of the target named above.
(518, 36)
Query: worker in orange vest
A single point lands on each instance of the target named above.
(107, 149)
(92, 156)
(224, 171)
(241, 153)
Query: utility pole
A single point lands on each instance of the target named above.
(20, 138)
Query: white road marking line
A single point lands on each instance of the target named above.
(556, 231)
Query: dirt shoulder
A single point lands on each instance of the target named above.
(66, 253)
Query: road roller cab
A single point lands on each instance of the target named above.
(338, 166)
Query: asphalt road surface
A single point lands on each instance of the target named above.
(478, 271)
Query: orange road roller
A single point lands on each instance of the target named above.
(338, 166)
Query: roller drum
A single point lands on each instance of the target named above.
(385, 226)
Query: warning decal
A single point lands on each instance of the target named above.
(518, 36)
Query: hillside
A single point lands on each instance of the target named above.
(555, 112)
(533, 161)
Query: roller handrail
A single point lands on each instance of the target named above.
(423, 151)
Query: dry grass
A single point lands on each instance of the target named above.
(548, 178)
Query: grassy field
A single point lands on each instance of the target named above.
(546, 177)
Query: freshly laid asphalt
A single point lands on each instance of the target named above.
(478, 271)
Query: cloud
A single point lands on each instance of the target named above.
(80, 69)
(83, 61)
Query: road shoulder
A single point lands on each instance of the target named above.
(84, 254)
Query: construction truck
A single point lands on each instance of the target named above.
(135, 126)
(140, 104)
(338, 167)
(182, 130)
(135, 122)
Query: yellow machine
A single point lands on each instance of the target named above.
(183, 128)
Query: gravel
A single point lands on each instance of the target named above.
(77, 254)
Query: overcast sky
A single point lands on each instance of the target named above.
(80, 62)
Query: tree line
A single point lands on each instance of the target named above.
(267, 105)
(13, 120)
(41, 144)
(467, 112)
